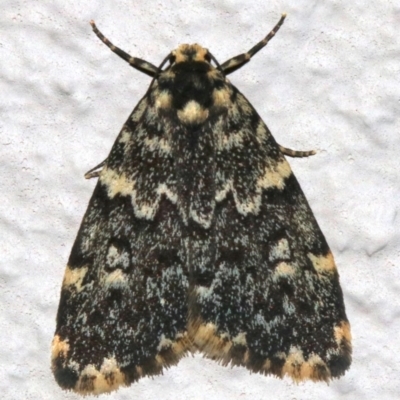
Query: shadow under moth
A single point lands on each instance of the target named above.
(197, 237)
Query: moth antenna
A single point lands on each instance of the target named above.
(138, 63)
(238, 61)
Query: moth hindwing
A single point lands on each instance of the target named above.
(197, 238)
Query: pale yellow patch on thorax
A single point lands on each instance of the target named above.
(193, 112)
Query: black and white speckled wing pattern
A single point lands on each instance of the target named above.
(197, 237)
(123, 308)
(270, 299)
(265, 291)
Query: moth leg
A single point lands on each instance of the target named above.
(139, 64)
(237, 62)
(93, 173)
(296, 153)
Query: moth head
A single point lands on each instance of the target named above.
(190, 52)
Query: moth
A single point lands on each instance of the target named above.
(197, 237)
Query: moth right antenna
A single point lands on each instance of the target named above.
(237, 62)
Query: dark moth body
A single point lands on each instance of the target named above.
(197, 237)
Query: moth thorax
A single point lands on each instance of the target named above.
(190, 52)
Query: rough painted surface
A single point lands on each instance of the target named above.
(330, 83)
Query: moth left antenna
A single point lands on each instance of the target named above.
(139, 64)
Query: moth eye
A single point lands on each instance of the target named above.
(208, 57)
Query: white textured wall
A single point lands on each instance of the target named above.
(329, 80)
